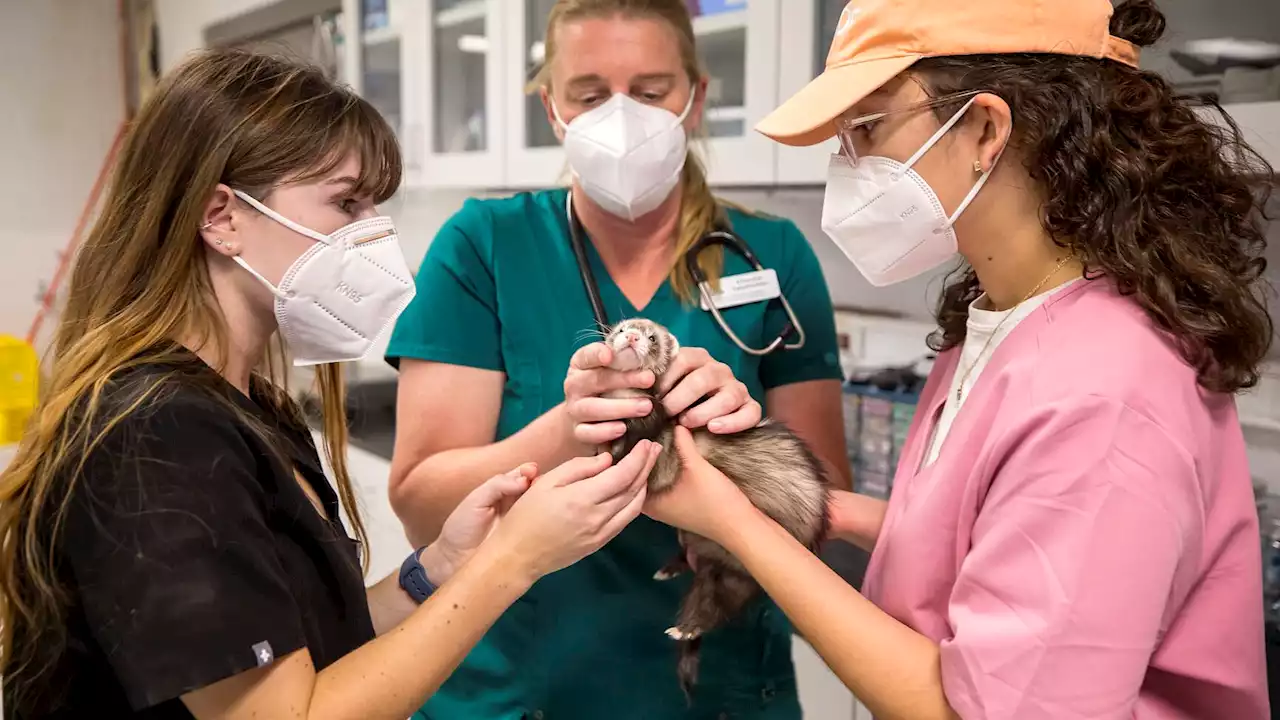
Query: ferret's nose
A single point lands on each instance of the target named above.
(632, 337)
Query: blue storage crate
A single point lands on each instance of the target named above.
(876, 438)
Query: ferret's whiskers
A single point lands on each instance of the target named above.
(590, 334)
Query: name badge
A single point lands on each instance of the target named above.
(746, 288)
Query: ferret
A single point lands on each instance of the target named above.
(773, 468)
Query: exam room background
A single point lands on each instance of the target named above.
(60, 86)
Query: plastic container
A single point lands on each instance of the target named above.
(877, 435)
(19, 378)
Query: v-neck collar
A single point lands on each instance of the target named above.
(608, 286)
(617, 305)
(938, 387)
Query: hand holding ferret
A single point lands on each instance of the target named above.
(573, 510)
(703, 501)
(691, 376)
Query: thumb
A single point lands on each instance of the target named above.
(504, 487)
(686, 448)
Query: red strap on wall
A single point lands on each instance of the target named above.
(64, 260)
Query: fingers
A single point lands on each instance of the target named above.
(731, 404)
(620, 480)
(685, 446)
(685, 362)
(621, 510)
(595, 355)
(500, 488)
(713, 379)
(598, 409)
(623, 517)
(744, 418)
(597, 381)
(595, 434)
(578, 469)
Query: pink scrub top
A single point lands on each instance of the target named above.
(1086, 544)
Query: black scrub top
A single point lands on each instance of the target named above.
(192, 554)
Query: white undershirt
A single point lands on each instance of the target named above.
(976, 353)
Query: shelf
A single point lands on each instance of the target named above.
(725, 114)
(720, 22)
(380, 36)
(462, 13)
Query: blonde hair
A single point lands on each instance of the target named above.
(700, 211)
(141, 283)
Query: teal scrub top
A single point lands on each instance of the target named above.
(499, 289)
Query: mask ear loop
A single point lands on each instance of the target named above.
(555, 113)
(300, 229)
(977, 187)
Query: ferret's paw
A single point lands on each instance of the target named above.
(676, 633)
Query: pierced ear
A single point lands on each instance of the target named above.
(997, 128)
(218, 226)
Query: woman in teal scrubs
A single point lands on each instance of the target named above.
(485, 348)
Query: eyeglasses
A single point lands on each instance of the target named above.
(847, 128)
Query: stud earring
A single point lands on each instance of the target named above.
(977, 166)
(217, 241)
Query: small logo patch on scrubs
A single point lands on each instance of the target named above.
(262, 651)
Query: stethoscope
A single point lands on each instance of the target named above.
(719, 236)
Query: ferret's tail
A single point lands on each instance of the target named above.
(687, 668)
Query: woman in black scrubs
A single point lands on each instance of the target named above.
(171, 545)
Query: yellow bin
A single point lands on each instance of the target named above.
(19, 381)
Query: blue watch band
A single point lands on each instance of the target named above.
(413, 578)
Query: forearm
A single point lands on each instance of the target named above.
(892, 669)
(394, 674)
(429, 492)
(390, 605)
(857, 518)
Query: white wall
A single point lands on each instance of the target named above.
(64, 101)
(182, 23)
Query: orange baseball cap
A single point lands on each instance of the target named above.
(878, 39)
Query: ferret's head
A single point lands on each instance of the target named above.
(640, 344)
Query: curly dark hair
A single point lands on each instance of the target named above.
(1140, 188)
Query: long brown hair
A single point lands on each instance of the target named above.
(700, 212)
(1138, 187)
(140, 284)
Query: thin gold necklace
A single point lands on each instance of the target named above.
(965, 378)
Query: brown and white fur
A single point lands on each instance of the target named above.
(772, 467)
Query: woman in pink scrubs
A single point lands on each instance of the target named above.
(1072, 531)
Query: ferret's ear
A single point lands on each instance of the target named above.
(675, 346)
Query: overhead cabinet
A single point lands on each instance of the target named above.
(452, 76)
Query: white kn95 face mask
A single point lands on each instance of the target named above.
(886, 219)
(343, 293)
(626, 155)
